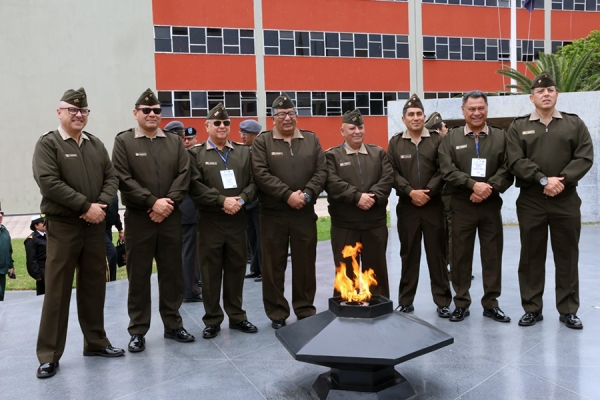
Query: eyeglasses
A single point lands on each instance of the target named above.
(218, 123)
(148, 110)
(74, 110)
(282, 115)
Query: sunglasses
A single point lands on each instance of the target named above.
(148, 110)
(218, 123)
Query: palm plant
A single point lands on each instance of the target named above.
(566, 71)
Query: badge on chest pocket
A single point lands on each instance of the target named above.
(228, 178)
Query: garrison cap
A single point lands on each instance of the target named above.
(353, 117)
(543, 80)
(148, 98)
(36, 219)
(218, 112)
(433, 120)
(78, 98)
(250, 126)
(189, 132)
(283, 101)
(174, 126)
(413, 102)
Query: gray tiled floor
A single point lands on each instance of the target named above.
(487, 361)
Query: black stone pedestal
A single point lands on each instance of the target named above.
(396, 389)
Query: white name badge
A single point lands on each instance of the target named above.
(478, 167)
(228, 178)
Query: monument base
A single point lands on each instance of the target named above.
(399, 389)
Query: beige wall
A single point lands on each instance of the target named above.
(50, 46)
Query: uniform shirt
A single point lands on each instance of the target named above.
(35, 252)
(416, 165)
(281, 168)
(72, 175)
(562, 148)
(6, 251)
(207, 188)
(150, 168)
(351, 173)
(459, 148)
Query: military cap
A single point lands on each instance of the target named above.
(353, 117)
(148, 98)
(189, 132)
(36, 219)
(414, 102)
(78, 98)
(433, 120)
(174, 126)
(542, 80)
(250, 126)
(283, 101)
(218, 112)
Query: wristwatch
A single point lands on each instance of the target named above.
(241, 201)
(543, 181)
(307, 197)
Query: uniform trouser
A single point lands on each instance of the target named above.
(562, 214)
(301, 234)
(111, 255)
(73, 248)
(2, 286)
(372, 255)
(146, 240)
(426, 222)
(190, 264)
(485, 219)
(222, 253)
(253, 232)
(448, 219)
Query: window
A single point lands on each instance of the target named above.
(201, 40)
(197, 104)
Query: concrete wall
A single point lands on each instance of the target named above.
(50, 46)
(584, 104)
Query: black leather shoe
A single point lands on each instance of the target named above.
(571, 321)
(459, 314)
(252, 275)
(406, 309)
(278, 323)
(530, 318)
(47, 370)
(180, 334)
(245, 327)
(108, 351)
(258, 278)
(496, 314)
(196, 299)
(136, 344)
(443, 312)
(211, 331)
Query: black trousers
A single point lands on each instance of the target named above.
(190, 264)
(111, 255)
(253, 234)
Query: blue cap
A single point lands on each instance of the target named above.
(189, 132)
(250, 126)
(173, 125)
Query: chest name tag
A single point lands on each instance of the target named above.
(478, 167)
(403, 156)
(228, 178)
(462, 146)
(70, 155)
(210, 163)
(345, 164)
(141, 154)
(528, 132)
(276, 153)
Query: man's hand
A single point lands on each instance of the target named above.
(121, 236)
(476, 199)
(482, 190)
(366, 201)
(95, 214)
(296, 200)
(419, 197)
(156, 217)
(163, 207)
(231, 205)
(554, 186)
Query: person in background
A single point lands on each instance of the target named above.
(35, 252)
(6, 262)
(113, 219)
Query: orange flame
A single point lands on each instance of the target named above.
(356, 291)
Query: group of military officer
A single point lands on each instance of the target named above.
(548, 151)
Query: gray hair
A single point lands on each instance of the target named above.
(474, 94)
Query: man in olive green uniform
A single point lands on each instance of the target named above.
(418, 183)
(290, 171)
(77, 182)
(549, 152)
(153, 170)
(359, 182)
(473, 163)
(221, 184)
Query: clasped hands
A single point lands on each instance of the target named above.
(161, 209)
(554, 186)
(231, 205)
(95, 214)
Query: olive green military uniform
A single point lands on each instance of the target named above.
(150, 169)
(222, 247)
(279, 169)
(350, 174)
(71, 177)
(563, 148)
(456, 153)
